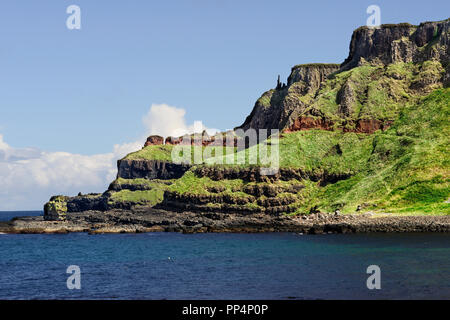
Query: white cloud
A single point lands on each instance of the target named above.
(166, 120)
(29, 176)
(28, 179)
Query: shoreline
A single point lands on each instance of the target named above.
(159, 220)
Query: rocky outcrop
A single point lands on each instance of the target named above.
(399, 43)
(253, 174)
(316, 96)
(93, 201)
(447, 75)
(56, 209)
(311, 75)
(346, 98)
(306, 123)
(276, 108)
(154, 141)
(295, 106)
(368, 126)
(173, 140)
(225, 139)
(150, 169)
(157, 220)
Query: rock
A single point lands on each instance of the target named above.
(154, 141)
(399, 43)
(92, 201)
(56, 208)
(150, 169)
(291, 107)
(147, 219)
(307, 122)
(346, 98)
(173, 140)
(279, 107)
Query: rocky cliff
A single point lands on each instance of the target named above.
(313, 89)
(399, 43)
(150, 169)
(370, 134)
(276, 108)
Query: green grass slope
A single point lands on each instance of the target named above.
(403, 170)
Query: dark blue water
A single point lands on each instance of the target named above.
(225, 266)
(8, 215)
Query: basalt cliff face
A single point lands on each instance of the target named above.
(277, 107)
(399, 43)
(325, 96)
(150, 169)
(368, 135)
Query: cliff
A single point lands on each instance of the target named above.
(399, 43)
(384, 65)
(277, 107)
(368, 135)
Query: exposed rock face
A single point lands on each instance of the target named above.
(227, 203)
(369, 126)
(222, 139)
(447, 76)
(154, 140)
(150, 169)
(87, 202)
(56, 208)
(316, 96)
(173, 140)
(277, 108)
(312, 75)
(360, 126)
(346, 98)
(399, 43)
(295, 106)
(253, 174)
(156, 220)
(306, 123)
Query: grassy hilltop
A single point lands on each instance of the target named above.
(371, 134)
(403, 170)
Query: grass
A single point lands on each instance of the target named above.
(157, 152)
(145, 197)
(403, 170)
(140, 197)
(190, 183)
(408, 168)
(265, 99)
(380, 92)
(169, 152)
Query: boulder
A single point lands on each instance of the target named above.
(154, 141)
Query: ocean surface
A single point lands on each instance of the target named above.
(224, 266)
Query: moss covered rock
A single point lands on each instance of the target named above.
(56, 208)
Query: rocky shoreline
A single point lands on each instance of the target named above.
(159, 220)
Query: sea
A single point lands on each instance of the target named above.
(223, 266)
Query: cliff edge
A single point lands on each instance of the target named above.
(370, 135)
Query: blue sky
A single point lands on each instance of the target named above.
(83, 91)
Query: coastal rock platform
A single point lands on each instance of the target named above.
(158, 220)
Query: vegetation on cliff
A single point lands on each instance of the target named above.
(404, 169)
(371, 134)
